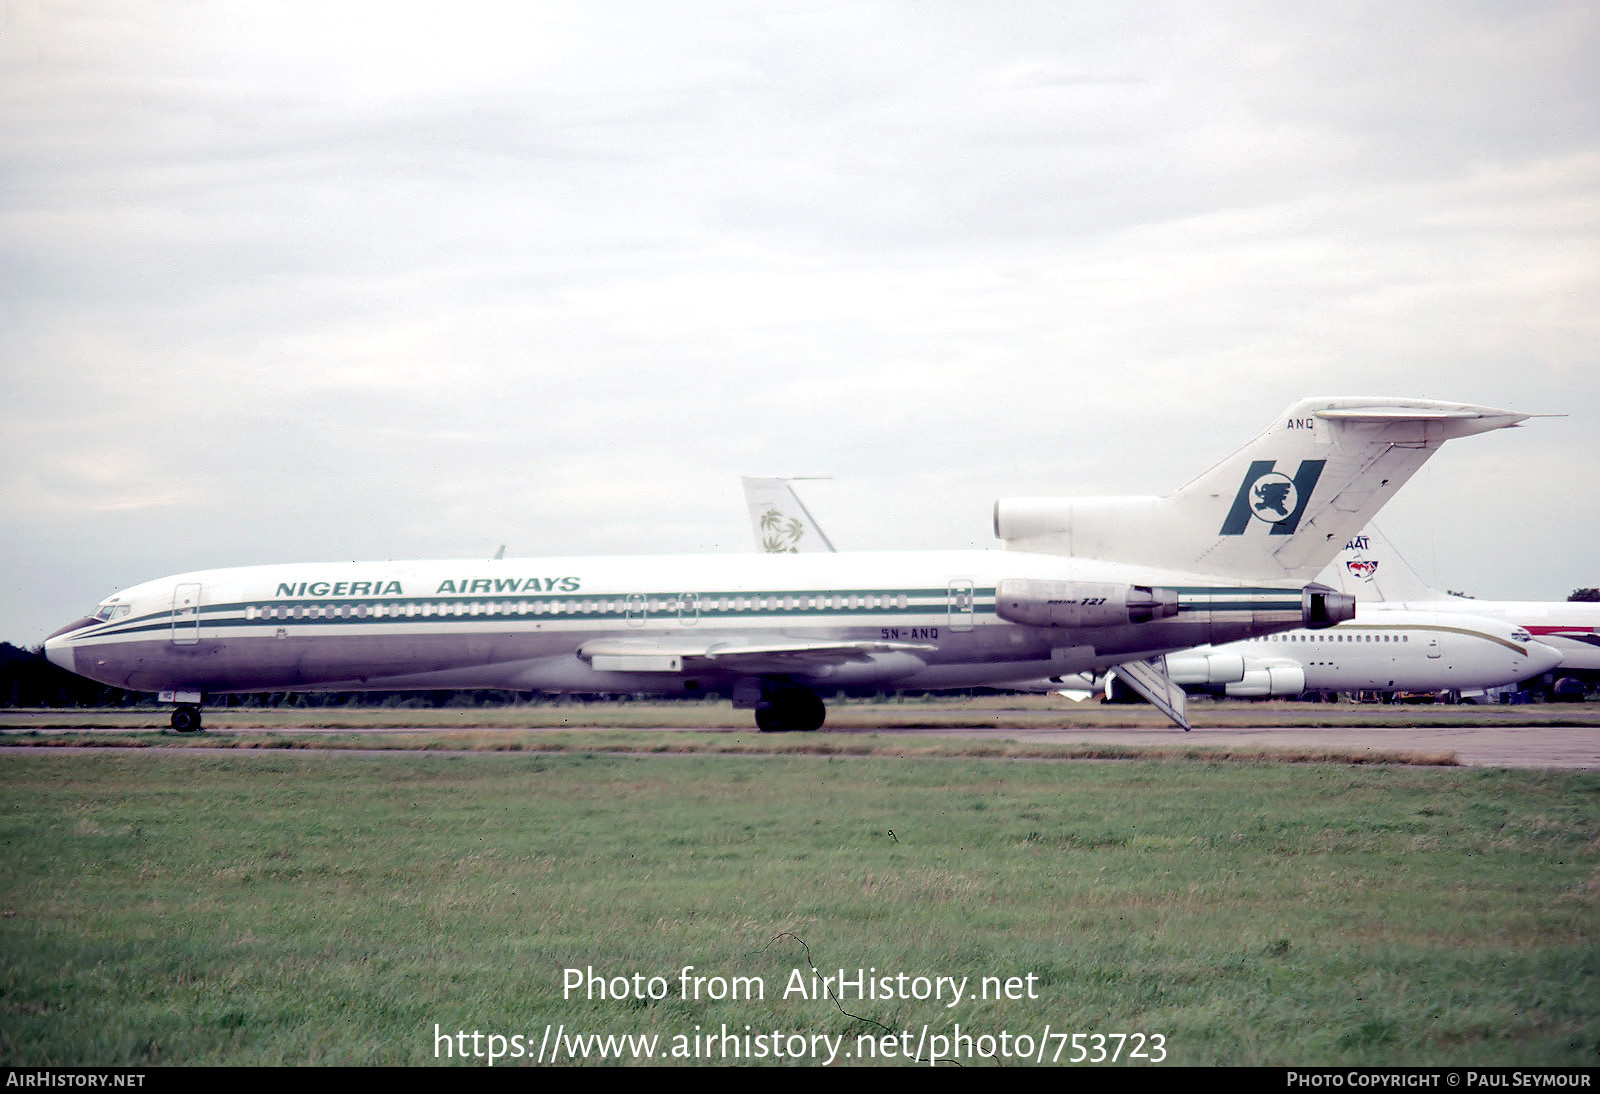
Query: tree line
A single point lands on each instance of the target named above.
(29, 679)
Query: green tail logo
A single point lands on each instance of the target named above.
(780, 535)
(1272, 497)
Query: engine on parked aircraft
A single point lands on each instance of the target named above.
(1271, 680)
(1205, 669)
(1081, 603)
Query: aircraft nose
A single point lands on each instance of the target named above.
(58, 647)
(1542, 658)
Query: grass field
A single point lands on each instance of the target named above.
(288, 907)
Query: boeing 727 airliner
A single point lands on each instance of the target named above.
(1081, 586)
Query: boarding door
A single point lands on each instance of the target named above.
(958, 600)
(186, 614)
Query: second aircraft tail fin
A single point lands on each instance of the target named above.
(782, 524)
(1370, 569)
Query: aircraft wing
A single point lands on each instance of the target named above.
(796, 655)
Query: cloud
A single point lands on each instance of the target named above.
(309, 282)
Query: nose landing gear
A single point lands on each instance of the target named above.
(186, 716)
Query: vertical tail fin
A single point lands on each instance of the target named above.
(782, 524)
(1280, 507)
(1370, 569)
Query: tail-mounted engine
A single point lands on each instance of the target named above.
(1321, 606)
(1081, 603)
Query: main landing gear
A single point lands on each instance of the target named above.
(791, 710)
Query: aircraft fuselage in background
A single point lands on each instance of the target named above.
(1370, 569)
(1388, 652)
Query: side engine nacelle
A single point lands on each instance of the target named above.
(1273, 680)
(1207, 669)
(1081, 603)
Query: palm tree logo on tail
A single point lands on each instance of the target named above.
(780, 535)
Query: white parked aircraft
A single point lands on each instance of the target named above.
(1097, 584)
(1394, 651)
(1371, 570)
(1402, 651)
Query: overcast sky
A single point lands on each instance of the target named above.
(329, 281)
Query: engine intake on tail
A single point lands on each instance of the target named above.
(1321, 606)
(1081, 603)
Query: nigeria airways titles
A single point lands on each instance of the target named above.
(473, 586)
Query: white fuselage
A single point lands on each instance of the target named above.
(1392, 650)
(1378, 576)
(667, 624)
(1571, 628)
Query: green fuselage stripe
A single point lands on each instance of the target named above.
(625, 608)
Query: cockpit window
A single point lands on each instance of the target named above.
(110, 609)
(1521, 635)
